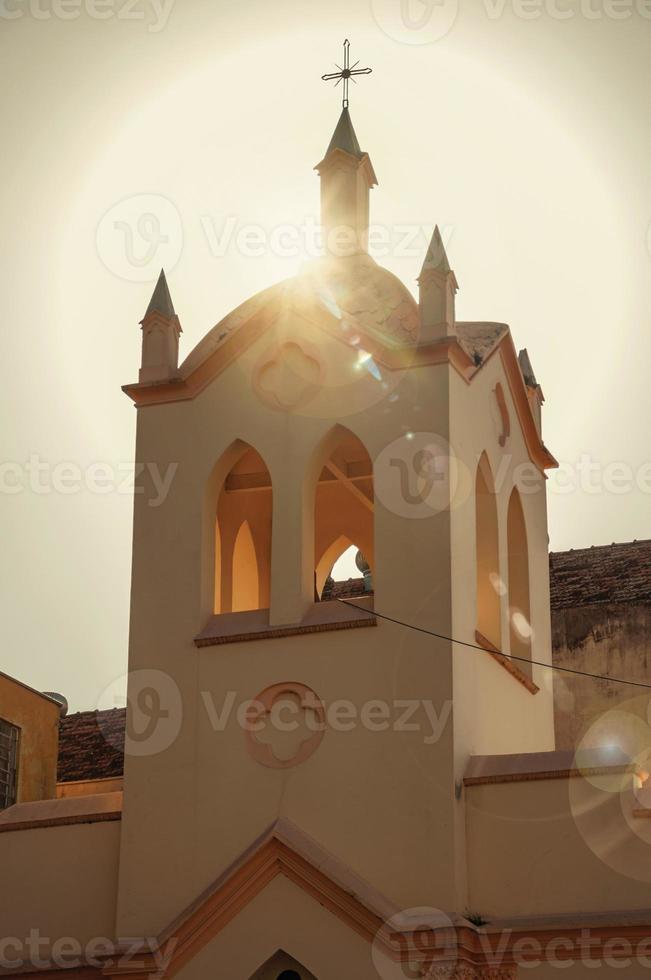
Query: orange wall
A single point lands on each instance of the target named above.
(37, 717)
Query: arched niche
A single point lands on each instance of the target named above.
(520, 632)
(282, 966)
(241, 530)
(342, 475)
(489, 582)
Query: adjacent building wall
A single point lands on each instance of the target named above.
(37, 717)
(613, 640)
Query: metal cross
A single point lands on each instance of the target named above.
(346, 73)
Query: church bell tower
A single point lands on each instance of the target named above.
(296, 748)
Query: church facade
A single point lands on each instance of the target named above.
(325, 789)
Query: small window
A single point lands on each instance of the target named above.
(8, 764)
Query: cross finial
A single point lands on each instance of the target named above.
(346, 73)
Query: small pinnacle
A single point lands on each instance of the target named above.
(344, 137)
(161, 301)
(436, 257)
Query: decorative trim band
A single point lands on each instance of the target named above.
(508, 664)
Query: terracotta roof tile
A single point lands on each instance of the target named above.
(603, 573)
(91, 745)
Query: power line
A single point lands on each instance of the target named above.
(507, 656)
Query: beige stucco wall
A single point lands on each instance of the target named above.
(60, 881)
(556, 846)
(607, 639)
(37, 717)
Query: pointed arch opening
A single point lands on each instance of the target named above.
(490, 587)
(282, 966)
(343, 568)
(242, 550)
(520, 632)
(344, 509)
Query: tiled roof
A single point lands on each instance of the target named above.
(91, 745)
(579, 577)
(603, 573)
(479, 339)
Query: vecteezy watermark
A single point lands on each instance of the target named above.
(140, 235)
(417, 475)
(586, 475)
(568, 9)
(426, 21)
(424, 942)
(310, 239)
(154, 13)
(340, 715)
(411, 941)
(415, 21)
(594, 476)
(154, 714)
(144, 232)
(42, 477)
(40, 952)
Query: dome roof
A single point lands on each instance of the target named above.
(354, 289)
(359, 290)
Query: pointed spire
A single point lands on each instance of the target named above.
(161, 301)
(347, 176)
(436, 258)
(344, 137)
(160, 336)
(437, 286)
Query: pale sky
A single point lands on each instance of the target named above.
(522, 131)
